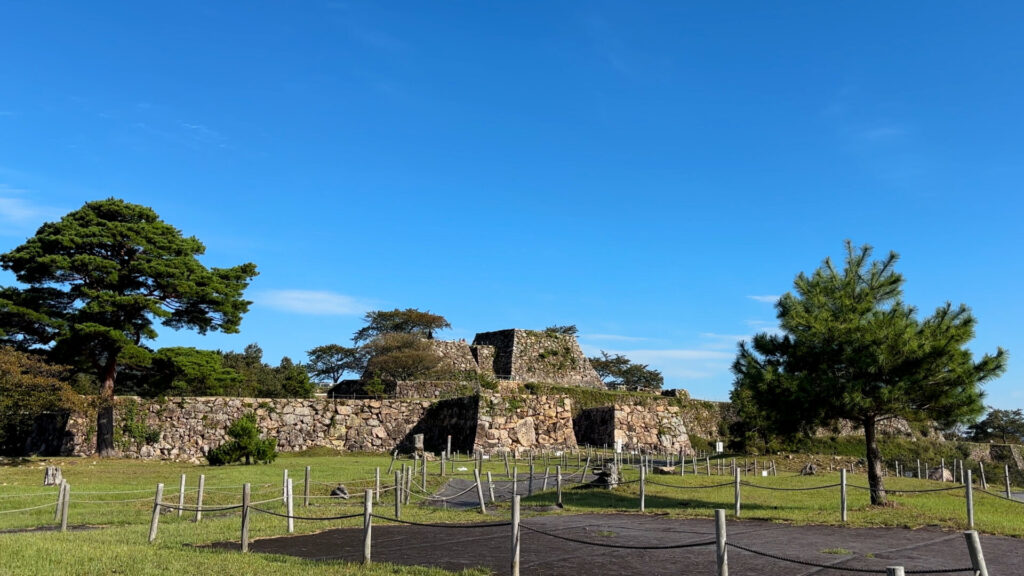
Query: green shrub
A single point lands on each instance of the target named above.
(245, 444)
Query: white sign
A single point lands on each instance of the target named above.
(719, 448)
(618, 446)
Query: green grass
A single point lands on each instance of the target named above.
(120, 546)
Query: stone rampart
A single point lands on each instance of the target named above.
(520, 423)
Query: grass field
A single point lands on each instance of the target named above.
(118, 544)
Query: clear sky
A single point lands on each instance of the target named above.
(655, 173)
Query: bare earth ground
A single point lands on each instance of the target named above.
(454, 549)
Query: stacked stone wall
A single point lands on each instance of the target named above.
(521, 423)
(653, 426)
(189, 427)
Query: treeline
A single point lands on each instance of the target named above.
(181, 371)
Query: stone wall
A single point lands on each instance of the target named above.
(189, 427)
(456, 356)
(535, 356)
(521, 423)
(656, 426)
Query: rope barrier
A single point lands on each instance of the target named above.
(445, 498)
(1001, 497)
(745, 483)
(841, 568)
(619, 546)
(77, 501)
(50, 494)
(428, 525)
(690, 487)
(909, 491)
(279, 515)
(204, 509)
(27, 509)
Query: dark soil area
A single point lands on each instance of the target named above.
(545, 551)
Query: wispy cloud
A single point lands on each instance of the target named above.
(312, 302)
(612, 337)
(20, 215)
(715, 341)
(766, 298)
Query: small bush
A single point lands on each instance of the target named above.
(245, 444)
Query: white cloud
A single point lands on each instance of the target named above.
(766, 298)
(312, 302)
(613, 337)
(20, 215)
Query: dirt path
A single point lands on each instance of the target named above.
(541, 554)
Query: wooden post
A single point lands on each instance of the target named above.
(246, 494)
(515, 480)
(842, 493)
(64, 507)
(643, 488)
(181, 495)
(156, 513)
(558, 480)
(199, 497)
(376, 486)
(918, 468)
(547, 472)
(1006, 469)
(305, 487)
(423, 472)
(942, 470)
(682, 463)
(515, 535)
(490, 485)
(894, 571)
(974, 549)
(508, 471)
(442, 463)
(736, 483)
(394, 456)
(694, 464)
(708, 462)
(969, 489)
(398, 494)
(981, 468)
(290, 500)
(367, 523)
(721, 550)
(479, 491)
(529, 484)
(449, 450)
(406, 484)
(60, 500)
(284, 484)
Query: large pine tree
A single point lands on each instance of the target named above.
(99, 279)
(851, 348)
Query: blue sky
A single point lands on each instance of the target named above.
(652, 172)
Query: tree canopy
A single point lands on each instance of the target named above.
(29, 388)
(408, 321)
(100, 278)
(618, 372)
(400, 356)
(260, 380)
(850, 348)
(1003, 425)
(245, 444)
(330, 362)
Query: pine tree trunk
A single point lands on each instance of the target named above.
(874, 463)
(105, 414)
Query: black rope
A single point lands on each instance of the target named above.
(429, 525)
(887, 491)
(844, 568)
(197, 509)
(346, 517)
(689, 487)
(620, 546)
(744, 483)
(1000, 496)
